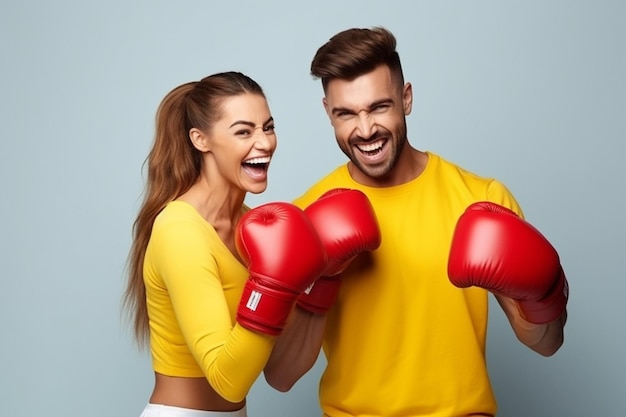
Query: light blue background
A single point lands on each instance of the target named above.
(531, 92)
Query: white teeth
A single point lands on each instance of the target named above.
(369, 147)
(260, 160)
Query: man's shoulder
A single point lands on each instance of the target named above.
(449, 168)
(479, 186)
(337, 178)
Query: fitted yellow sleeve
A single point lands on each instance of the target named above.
(185, 255)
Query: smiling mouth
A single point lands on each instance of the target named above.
(371, 148)
(256, 167)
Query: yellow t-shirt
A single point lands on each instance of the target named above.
(401, 339)
(193, 286)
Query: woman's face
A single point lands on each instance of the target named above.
(242, 142)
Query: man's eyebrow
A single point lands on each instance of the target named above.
(369, 107)
(381, 101)
(341, 110)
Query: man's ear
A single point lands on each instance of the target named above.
(327, 109)
(407, 98)
(199, 140)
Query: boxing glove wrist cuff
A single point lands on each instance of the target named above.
(263, 308)
(320, 296)
(548, 308)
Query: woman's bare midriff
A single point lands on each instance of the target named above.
(193, 393)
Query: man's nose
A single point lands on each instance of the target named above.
(365, 125)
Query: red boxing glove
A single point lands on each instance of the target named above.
(346, 223)
(495, 249)
(284, 255)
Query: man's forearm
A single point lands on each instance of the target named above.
(296, 350)
(545, 339)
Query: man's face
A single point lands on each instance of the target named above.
(368, 116)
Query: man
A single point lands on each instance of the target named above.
(404, 326)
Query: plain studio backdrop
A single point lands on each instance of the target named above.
(529, 92)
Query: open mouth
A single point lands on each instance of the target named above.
(256, 167)
(371, 148)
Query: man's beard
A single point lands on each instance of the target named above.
(384, 169)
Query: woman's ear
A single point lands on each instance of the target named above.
(199, 140)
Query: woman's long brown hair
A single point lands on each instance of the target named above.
(173, 167)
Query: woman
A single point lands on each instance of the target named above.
(214, 141)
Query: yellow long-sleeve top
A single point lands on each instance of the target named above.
(193, 286)
(401, 340)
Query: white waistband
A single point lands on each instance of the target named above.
(159, 410)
